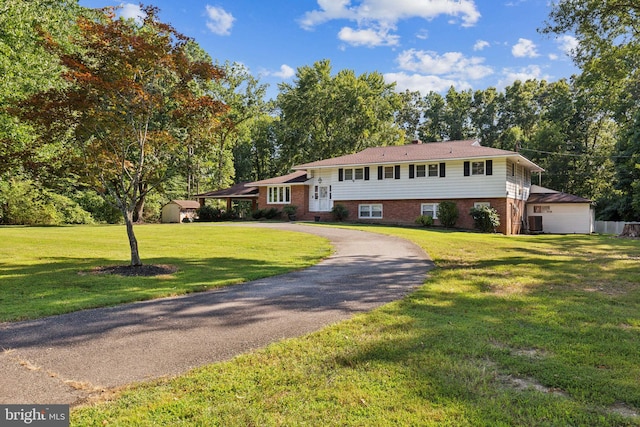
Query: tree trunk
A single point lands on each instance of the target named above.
(133, 242)
(631, 230)
(139, 210)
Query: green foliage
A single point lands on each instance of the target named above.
(208, 213)
(101, 208)
(339, 212)
(448, 213)
(485, 218)
(271, 213)
(424, 220)
(23, 202)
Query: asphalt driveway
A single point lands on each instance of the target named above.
(69, 358)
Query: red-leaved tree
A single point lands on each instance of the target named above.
(123, 109)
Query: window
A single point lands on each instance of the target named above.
(279, 194)
(421, 171)
(348, 174)
(433, 170)
(388, 172)
(370, 211)
(429, 209)
(359, 173)
(477, 168)
(482, 204)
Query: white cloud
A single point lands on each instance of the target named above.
(531, 72)
(367, 37)
(422, 83)
(285, 72)
(380, 16)
(131, 11)
(220, 21)
(453, 65)
(567, 44)
(481, 44)
(524, 48)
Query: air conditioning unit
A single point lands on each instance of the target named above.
(535, 223)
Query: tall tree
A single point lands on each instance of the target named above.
(433, 124)
(457, 115)
(326, 116)
(120, 108)
(409, 115)
(608, 51)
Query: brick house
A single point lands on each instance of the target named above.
(396, 184)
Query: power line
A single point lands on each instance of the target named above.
(575, 155)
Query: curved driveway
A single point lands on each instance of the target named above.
(72, 357)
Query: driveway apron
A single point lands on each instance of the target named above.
(69, 358)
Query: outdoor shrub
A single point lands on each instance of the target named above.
(339, 212)
(485, 218)
(208, 213)
(425, 220)
(448, 214)
(102, 208)
(257, 214)
(272, 213)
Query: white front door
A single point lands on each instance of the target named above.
(321, 198)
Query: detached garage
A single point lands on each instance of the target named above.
(550, 211)
(178, 210)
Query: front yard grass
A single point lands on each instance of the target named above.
(46, 271)
(511, 331)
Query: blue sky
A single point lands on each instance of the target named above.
(425, 45)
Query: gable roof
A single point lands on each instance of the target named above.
(186, 204)
(555, 197)
(297, 177)
(432, 151)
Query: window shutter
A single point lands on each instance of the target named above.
(380, 172)
(412, 172)
(467, 170)
(488, 167)
(340, 174)
(366, 173)
(443, 170)
(397, 172)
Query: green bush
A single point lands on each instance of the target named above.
(448, 214)
(340, 212)
(485, 219)
(272, 213)
(102, 209)
(257, 214)
(208, 213)
(425, 220)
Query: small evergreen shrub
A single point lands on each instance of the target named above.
(208, 213)
(448, 214)
(340, 212)
(485, 219)
(272, 213)
(425, 220)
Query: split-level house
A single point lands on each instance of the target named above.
(396, 184)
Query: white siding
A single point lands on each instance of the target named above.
(453, 185)
(565, 218)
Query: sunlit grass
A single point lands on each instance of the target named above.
(524, 330)
(45, 271)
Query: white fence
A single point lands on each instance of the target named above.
(609, 227)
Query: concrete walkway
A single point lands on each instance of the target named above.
(69, 358)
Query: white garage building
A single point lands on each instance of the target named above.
(550, 211)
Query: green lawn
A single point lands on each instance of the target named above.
(512, 331)
(46, 270)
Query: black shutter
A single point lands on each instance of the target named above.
(397, 172)
(443, 170)
(488, 168)
(380, 172)
(412, 169)
(340, 174)
(467, 170)
(366, 173)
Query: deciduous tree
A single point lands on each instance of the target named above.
(123, 106)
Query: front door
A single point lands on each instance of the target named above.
(323, 198)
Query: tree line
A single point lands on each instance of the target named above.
(97, 131)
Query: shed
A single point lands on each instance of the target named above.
(178, 210)
(550, 211)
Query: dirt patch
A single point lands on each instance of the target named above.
(141, 270)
